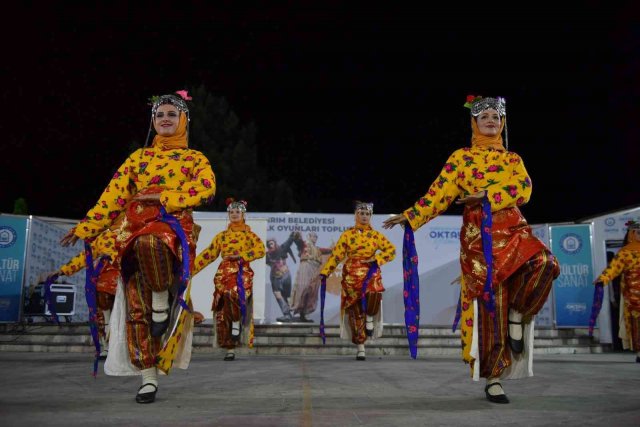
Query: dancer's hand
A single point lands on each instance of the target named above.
(148, 197)
(472, 199)
(70, 238)
(53, 275)
(394, 220)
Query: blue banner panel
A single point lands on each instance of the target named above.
(13, 243)
(573, 289)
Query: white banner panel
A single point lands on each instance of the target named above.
(437, 244)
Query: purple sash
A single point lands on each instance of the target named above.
(598, 294)
(411, 292)
(48, 296)
(241, 291)
(173, 222)
(363, 298)
(91, 297)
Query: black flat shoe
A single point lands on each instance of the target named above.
(148, 397)
(498, 398)
(360, 356)
(517, 346)
(637, 359)
(229, 356)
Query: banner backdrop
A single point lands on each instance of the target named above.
(573, 289)
(29, 251)
(437, 244)
(13, 243)
(545, 315)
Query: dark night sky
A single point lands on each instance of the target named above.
(348, 104)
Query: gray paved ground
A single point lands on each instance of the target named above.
(56, 389)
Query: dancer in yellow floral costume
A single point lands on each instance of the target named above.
(627, 263)
(507, 272)
(233, 281)
(105, 255)
(157, 187)
(363, 251)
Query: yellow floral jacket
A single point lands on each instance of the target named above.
(246, 243)
(470, 170)
(360, 242)
(625, 260)
(185, 176)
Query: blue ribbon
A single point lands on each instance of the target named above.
(363, 300)
(488, 296)
(411, 292)
(90, 292)
(458, 313)
(323, 293)
(173, 222)
(241, 292)
(598, 294)
(48, 296)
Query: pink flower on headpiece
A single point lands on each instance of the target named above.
(184, 95)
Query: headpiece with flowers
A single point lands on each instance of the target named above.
(180, 101)
(231, 203)
(633, 224)
(477, 104)
(363, 206)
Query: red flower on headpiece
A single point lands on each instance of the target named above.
(470, 99)
(184, 95)
(229, 200)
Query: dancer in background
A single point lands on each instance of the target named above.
(103, 248)
(627, 263)
(363, 250)
(233, 281)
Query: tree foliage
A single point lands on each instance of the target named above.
(231, 147)
(20, 206)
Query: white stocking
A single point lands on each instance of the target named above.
(160, 306)
(369, 324)
(495, 390)
(149, 376)
(235, 328)
(515, 330)
(107, 318)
